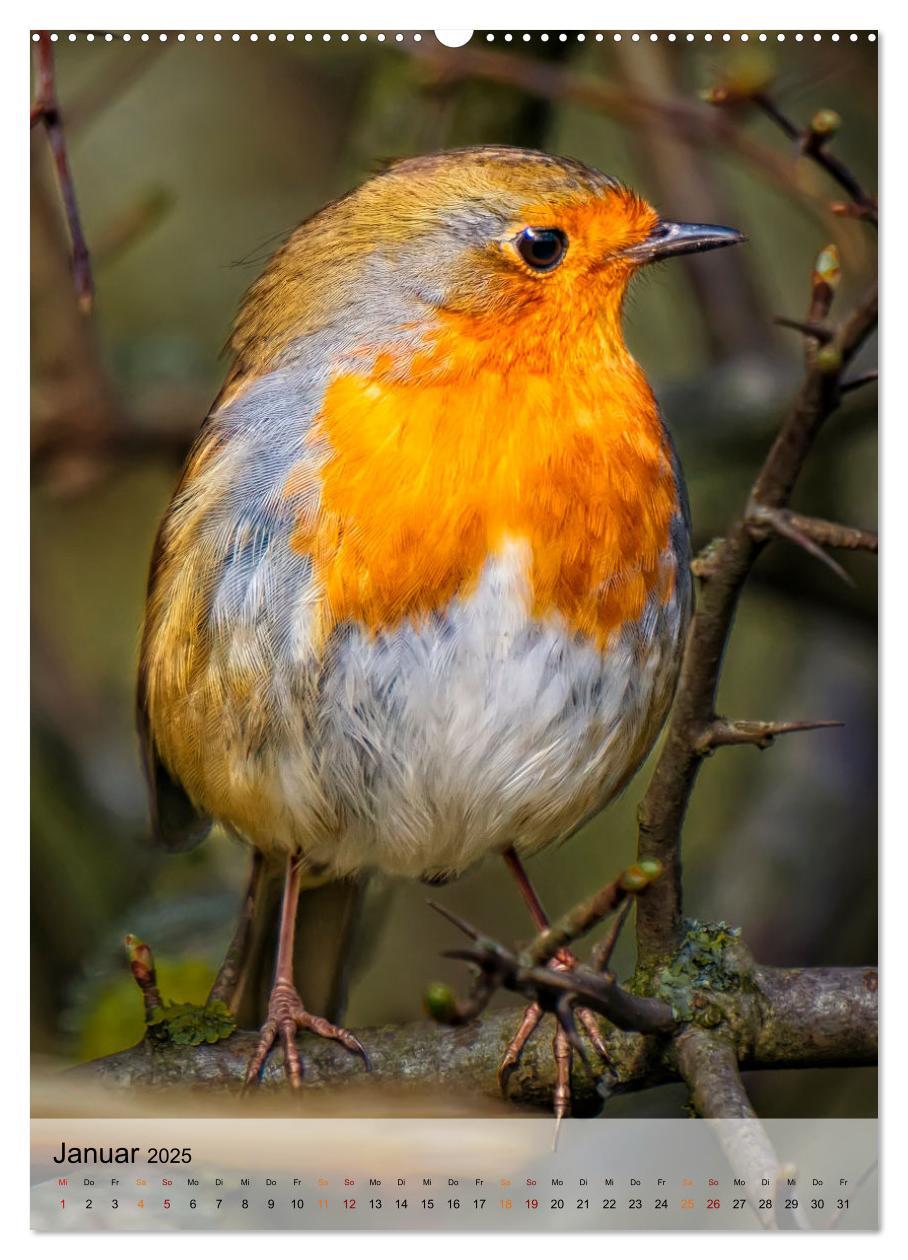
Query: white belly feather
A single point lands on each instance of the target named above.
(428, 747)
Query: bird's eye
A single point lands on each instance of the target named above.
(541, 248)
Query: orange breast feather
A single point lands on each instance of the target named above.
(434, 462)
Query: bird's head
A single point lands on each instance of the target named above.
(502, 246)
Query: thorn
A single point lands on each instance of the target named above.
(813, 549)
(857, 382)
(761, 517)
(602, 953)
(465, 955)
(819, 332)
(465, 927)
(721, 733)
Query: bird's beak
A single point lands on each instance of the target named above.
(667, 240)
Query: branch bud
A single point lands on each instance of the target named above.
(141, 964)
(828, 268)
(440, 1002)
(824, 124)
(828, 360)
(640, 875)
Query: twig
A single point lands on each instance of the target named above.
(765, 521)
(721, 733)
(812, 143)
(46, 109)
(583, 917)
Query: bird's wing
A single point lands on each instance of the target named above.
(222, 603)
(176, 824)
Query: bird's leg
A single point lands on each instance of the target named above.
(286, 1012)
(232, 974)
(564, 960)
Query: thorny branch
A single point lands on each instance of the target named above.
(814, 1017)
(723, 571)
(46, 110)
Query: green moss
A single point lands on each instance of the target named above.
(187, 1024)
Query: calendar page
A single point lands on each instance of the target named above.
(454, 606)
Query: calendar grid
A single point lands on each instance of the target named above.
(452, 1174)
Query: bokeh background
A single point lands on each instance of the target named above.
(191, 162)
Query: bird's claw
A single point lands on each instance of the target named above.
(286, 1015)
(565, 1041)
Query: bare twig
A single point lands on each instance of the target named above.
(721, 733)
(46, 110)
(812, 143)
(585, 916)
(708, 1063)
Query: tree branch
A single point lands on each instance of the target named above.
(804, 1018)
(46, 110)
(708, 1065)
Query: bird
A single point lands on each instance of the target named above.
(421, 593)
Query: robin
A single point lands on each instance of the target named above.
(421, 592)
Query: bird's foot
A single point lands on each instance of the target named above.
(563, 1043)
(286, 1014)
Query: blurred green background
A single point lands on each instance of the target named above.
(191, 162)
